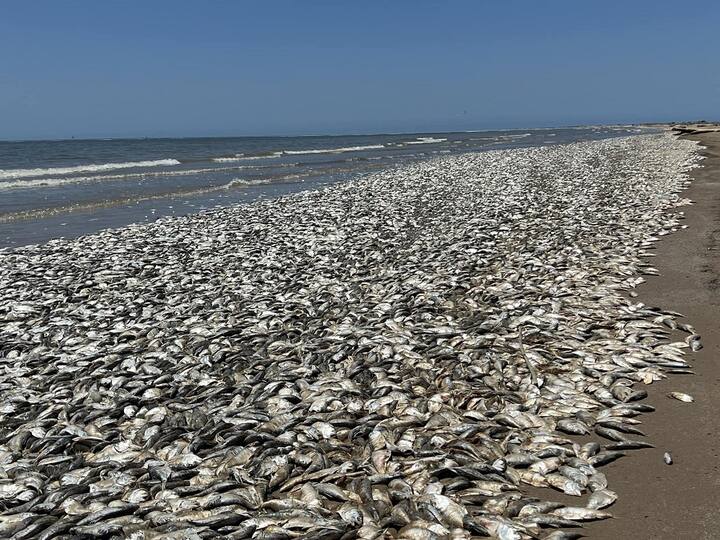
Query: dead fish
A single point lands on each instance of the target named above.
(563, 535)
(575, 427)
(581, 514)
(601, 498)
(395, 355)
(564, 484)
(680, 396)
(605, 457)
(10, 524)
(695, 342)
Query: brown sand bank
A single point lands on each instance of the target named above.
(681, 500)
(695, 129)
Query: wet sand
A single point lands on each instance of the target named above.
(681, 500)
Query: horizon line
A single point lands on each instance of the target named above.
(365, 134)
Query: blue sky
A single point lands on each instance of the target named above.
(180, 68)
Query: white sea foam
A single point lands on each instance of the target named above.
(335, 150)
(228, 159)
(53, 182)
(426, 140)
(242, 157)
(29, 173)
(235, 183)
(239, 182)
(287, 178)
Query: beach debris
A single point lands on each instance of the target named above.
(681, 396)
(667, 458)
(694, 342)
(581, 514)
(563, 535)
(402, 355)
(685, 327)
(601, 498)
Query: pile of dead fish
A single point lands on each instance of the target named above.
(401, 356)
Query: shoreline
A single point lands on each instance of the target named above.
(680, 501)
(41, 201)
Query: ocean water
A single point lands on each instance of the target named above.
(67, 188)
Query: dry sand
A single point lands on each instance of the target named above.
(681, 500)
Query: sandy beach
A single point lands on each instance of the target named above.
(359, 271)
(680, 501)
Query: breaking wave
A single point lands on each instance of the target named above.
(340, 150)
(53, 182)
(281, 179)
(239, 182)
(29, 173)
(426, 140)
(244, 157)
(236, 183)
(335, 150)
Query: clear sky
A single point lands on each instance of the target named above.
(94, 68)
